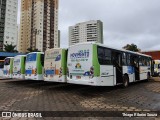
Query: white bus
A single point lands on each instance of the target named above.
(19, 67)
(157, 67)
(98, 65)
(55, 65)
(8, 67)
(34, 66)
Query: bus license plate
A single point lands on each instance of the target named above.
(78, 77)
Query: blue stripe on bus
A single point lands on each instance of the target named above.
(28, 71)
(49, 72)
(5, 71)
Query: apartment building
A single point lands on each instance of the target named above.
(38, 25)
(8, 22)
(90, 31)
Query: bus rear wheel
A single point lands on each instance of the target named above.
(125, 81)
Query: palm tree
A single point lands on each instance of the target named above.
(10, 48)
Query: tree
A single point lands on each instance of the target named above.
(132, 47)
(10, 48)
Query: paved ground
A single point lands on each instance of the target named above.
(23, 95)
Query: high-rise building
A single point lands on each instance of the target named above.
(38, 25)
(90, 31)
(8, 22)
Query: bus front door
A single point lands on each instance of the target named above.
(117, 63)
(135, 64)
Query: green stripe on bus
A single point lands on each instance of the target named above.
(11, 65)
(64, 62)
(39, 66)
(95, 61)
(22, 65)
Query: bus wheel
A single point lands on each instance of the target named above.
(125, 81)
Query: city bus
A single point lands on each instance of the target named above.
(8, 67)
(156, 67)
(34, 66)
(98, 65)
(1, 67)
(19, 66)
(55, 65)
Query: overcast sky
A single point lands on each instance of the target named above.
(124, 21)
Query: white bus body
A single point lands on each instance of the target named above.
(55, 65)
(157, 67)
(8, 67)
(33, 66)
(98, 65)
(19, 67)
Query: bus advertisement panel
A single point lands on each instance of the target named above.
(80, 64)
(55, 65)
(8, 67)
(34, 66)
(19, 67)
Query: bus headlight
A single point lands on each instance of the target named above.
(35, 73)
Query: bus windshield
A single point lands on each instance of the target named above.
(31, 57)
(7, 61)
(1, 63)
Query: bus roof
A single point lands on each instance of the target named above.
(20, 55)
(122, 50)
(35, 52)
(8, 57)
(55, 49)
(157, 61)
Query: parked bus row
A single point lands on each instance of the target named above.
(86, 63)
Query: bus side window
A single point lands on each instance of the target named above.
(100, 55)
(42, 59)
(104, 56)
(107, 57)
(7, 61)
(1, 64)
(128, 56)
(159, 66)
(124, 62)
(140, 61)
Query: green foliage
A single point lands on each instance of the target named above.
(10, 48)
(132, 47)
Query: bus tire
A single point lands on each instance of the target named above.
(125, 81)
